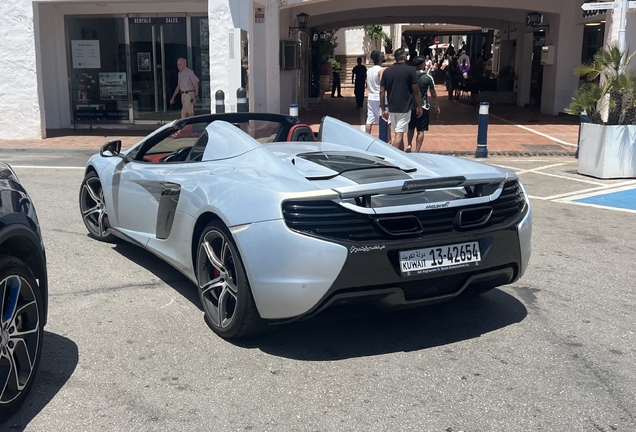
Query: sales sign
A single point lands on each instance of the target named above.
(156, 21)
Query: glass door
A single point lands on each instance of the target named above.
(155, 46)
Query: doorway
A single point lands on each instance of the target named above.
(155, 46)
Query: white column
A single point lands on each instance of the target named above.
(612, 27)
(288, 79)
(226, 19)
(264, 68)
(272, 65)
(21, 111)
(559, 82)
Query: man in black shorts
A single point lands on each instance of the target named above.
(425, 83)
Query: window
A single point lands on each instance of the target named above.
(173, 147)
(99, 83)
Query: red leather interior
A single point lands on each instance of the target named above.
(290, 135)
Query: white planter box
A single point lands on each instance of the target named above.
(607, 152)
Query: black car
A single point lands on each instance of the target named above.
(23, 292)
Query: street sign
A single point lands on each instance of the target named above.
(632, 4)
(601, 5)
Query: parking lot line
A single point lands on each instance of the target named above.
(596, 206)
(538, 170)
(46, 167)
(523, 171)
(603, 189)
(615, 198)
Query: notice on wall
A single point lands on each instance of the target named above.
(112, 86)
(259, 15)
(85, 54)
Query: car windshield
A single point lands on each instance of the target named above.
(263, 131)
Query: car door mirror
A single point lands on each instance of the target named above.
(110, 149)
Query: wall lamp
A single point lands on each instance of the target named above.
(302, 18)
(534, 19)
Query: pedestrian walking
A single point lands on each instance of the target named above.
(400, 82)
(426, 84)
(428, 65)
(335, 67)
(188, 86)
(374, 76)
(359, 81)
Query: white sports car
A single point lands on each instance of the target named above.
(274, 225)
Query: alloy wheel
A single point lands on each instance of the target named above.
(93, 207)
(19, 336)
(216, 272)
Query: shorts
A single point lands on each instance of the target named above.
(400, 121)
(420, 123)
(374, 113)
(187, 109)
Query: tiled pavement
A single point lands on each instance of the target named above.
(512, 130)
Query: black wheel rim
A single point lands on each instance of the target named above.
(19, 336)
(93, 207)
(216, 273)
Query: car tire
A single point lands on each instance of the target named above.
(224, 289)
(21, 333)
(93, 208)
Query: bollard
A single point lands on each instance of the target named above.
(583, 119)
(384, 130)
(241, 101)
(293, 110)
(219, 97)
(482, 131)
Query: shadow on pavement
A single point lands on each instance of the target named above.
(346, 333)
(164, 271)
(59, 360)
(357, 331)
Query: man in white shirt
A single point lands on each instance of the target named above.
(188, 86)
(374, 75)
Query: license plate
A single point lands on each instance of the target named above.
(426, 260)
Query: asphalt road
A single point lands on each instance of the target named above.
(126, 347)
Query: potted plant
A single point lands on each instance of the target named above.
(375, 33)
(387, 41)
(607, 144)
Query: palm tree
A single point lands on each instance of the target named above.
(610, 82)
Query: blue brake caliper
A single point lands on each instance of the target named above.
(11, 303)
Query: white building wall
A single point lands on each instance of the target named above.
(34, 65)
(351, 41)
(55, 81)
(21, 108)
(559, 82)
